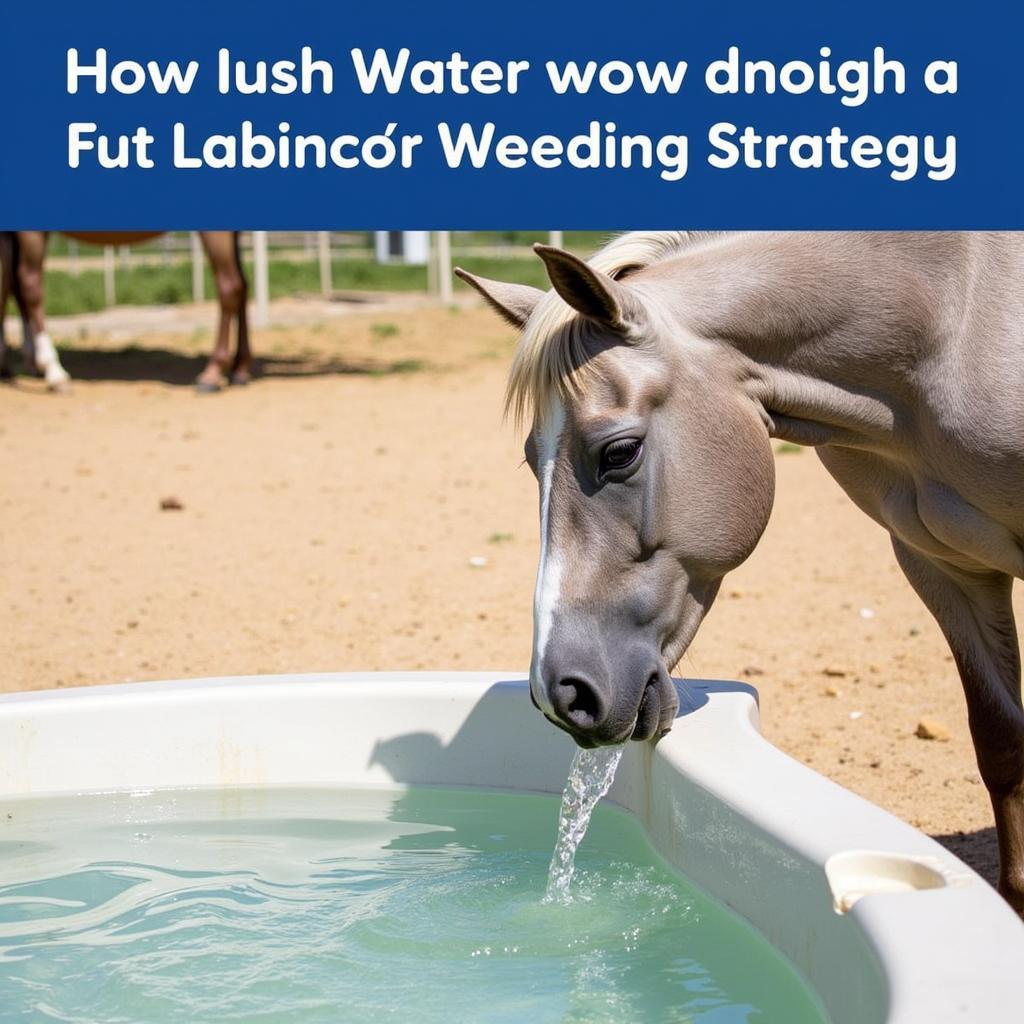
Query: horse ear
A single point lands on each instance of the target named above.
(512, 302)
(590, 292)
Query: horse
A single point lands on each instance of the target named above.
(22, 255)
(653, 379)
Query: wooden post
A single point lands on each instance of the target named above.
(444, 266)
(555, 239)
(109, 293)
(323, 239)
(196, 245)
(261, 273)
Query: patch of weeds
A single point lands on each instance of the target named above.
(788, 448)
(385, 330)
(400, 366)
(499, 538)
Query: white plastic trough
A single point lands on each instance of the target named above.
(882, 922)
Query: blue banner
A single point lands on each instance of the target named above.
(536, 116)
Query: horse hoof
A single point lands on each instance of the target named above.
(58, 382)
(208, 387)
(241, 378)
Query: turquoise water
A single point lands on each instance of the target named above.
(310, 905)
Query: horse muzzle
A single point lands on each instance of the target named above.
(606, 693)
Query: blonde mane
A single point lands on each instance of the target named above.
(551, 355)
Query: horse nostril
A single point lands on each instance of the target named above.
(578, 703)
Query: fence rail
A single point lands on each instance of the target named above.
(302, 262)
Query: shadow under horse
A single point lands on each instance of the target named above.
(22, 258)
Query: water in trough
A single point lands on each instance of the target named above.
(323, 904)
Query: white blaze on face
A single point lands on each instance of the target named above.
(549, 572)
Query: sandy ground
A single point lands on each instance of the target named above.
(329, 516)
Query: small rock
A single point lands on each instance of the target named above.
(834, 671)
(831, 691)
(867, 613)
(171, 504)
(856, 714)
(478, 561)
(929, 729)
(752, 670)
(736, 593)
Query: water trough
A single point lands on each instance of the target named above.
(882, 922)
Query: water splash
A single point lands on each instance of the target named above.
(590, 777)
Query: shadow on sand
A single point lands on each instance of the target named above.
(976, 849)
(161, 365)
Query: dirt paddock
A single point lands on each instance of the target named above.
(362, 506)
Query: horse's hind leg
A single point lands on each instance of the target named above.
(231, 296)
(38, 346)
(975, 612)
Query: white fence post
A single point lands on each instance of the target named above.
(261, 272)
(109, 294)
(197, 265)
(555, 238)
(323, 239)
(444, 266)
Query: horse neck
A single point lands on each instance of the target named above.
(831, 328)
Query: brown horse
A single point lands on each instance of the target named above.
(22, 255)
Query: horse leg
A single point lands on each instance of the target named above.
(975, 612)
(231, 295)
(6, 289)
(38, 346)
(241, 368)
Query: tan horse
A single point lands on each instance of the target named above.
(654, 379)
(24, 254)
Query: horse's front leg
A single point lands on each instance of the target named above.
(38, 348)
(975, 612)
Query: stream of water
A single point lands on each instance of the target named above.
(591, 775)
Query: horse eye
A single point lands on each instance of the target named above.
(620, 454)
